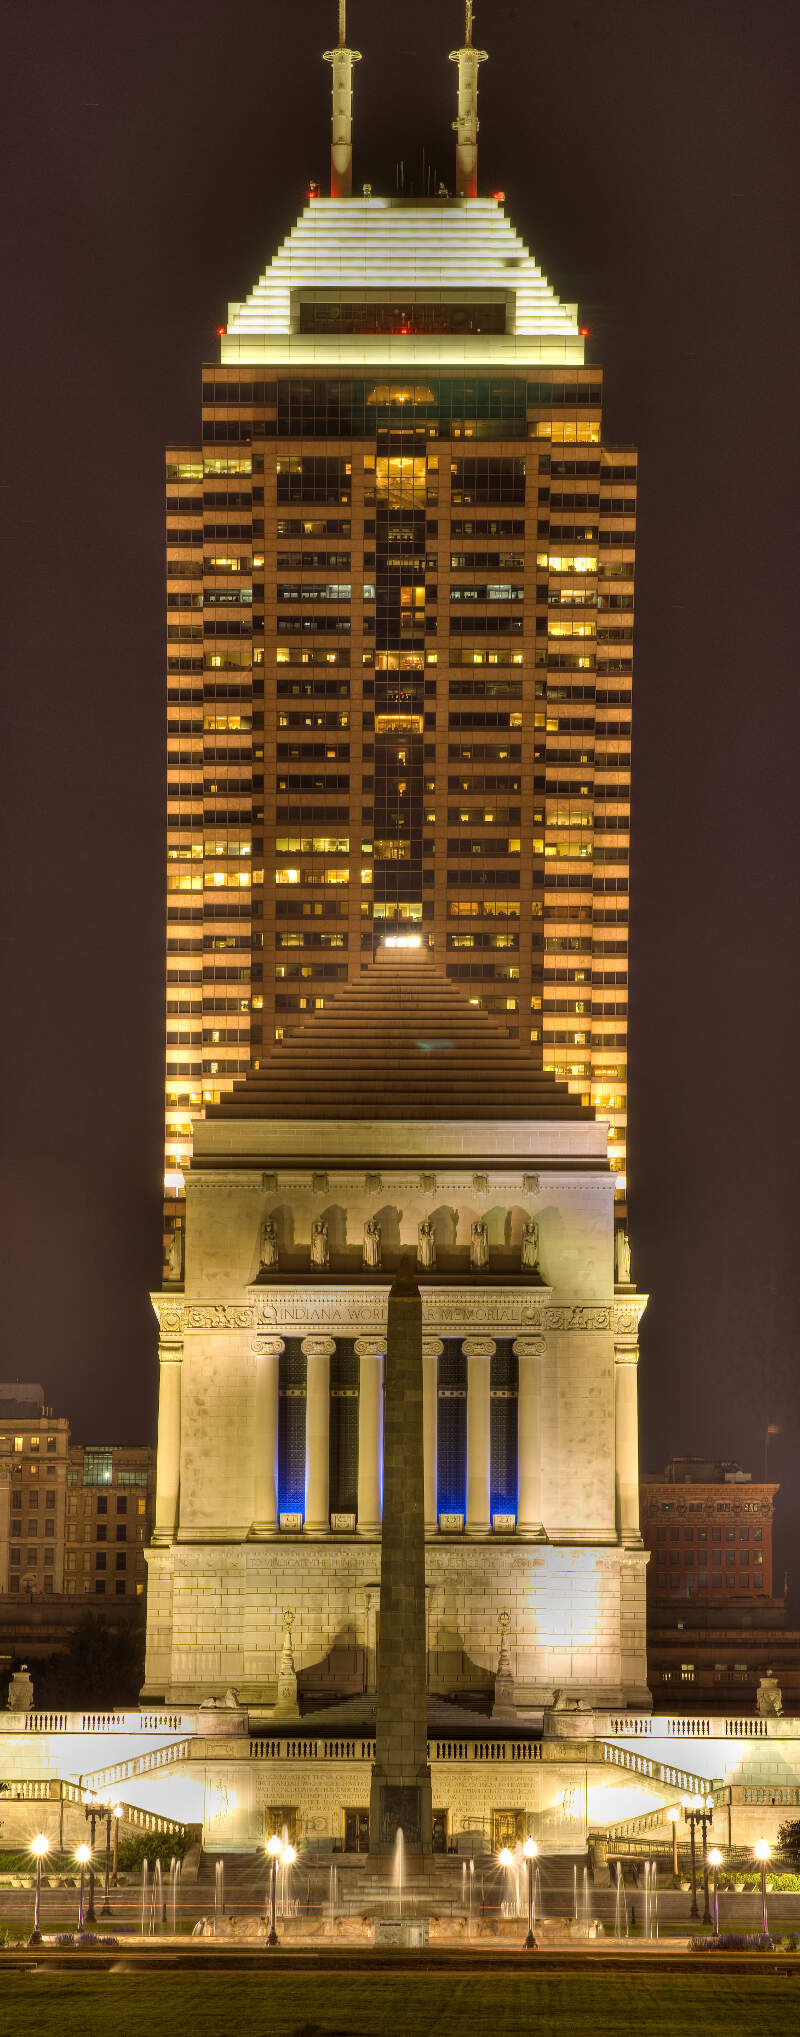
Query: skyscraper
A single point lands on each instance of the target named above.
(399, 626)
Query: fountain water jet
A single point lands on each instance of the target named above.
(145, 1873)
(157, 1910)
(219, 1894)
(398, 1869)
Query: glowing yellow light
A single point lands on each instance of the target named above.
(274, 1846)
(762, 1849)
(40, 1845)
(83, 1855)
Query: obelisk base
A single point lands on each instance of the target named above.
(400, 1807)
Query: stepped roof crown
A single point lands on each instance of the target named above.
(385, 248)
(402, 1043)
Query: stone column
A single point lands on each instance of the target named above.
(168, 1460)
(318, 1352)
(626, 1443)
(265, 1481)
(432, 1348)
(369, 1352)
(529, 1352)
(479, 1352)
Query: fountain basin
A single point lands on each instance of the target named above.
(407, 1932)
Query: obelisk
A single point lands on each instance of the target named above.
(400, 1792)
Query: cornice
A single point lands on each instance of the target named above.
(355, 1311)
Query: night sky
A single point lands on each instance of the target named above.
(157, 155)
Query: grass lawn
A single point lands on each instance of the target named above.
(305, 2005)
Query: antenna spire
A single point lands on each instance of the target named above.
(466, 126)
(341, 60)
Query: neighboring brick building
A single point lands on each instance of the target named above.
(34, 1446)
(74, 1521)
(109, 1515)
(708, 1527)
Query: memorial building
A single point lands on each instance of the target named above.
(401, 1120)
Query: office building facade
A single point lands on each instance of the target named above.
(400, 585)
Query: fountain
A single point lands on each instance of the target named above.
(333, 1893)
(157, 1907)
(174, 1879)
(219, 1895)
(398, 1868)
(620, 1906)
(145, 1873)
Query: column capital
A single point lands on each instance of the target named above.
(318, 1347)
(529, 1347)
(432, 1347)
(478, 1347)
(364, 1347)
(268, 1347)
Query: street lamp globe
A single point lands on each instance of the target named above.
(506, 1857)
(674, 1813)
(762, 1849)
(274, 1846)
(83, 1855)
(715, 1857)
(530, 1849)
(40, 1845)
(118, 1811)
(288, 1856)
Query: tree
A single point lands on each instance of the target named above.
(101, 1670)
(789, 1838)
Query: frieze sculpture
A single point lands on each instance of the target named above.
(478, 1246)
(216, 1316)
(529, 1250)
(622, 1252)
(268, 1248)
(371, 1246)
(320, 1255)
(426, 1245)
(175, 1254)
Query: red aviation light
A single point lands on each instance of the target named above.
(221, 331)
(500, 196)
(584, 331)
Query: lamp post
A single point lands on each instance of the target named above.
(83, 1855)
(699, 1811)
(117, 1813)
(40, 1846)
(762, 1851)
(715, 1862)
(91, 1809)
(111, 1811)
(529, 1852)
(674, 1814)
(276, 1851)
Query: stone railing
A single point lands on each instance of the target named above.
(147, 1763)
(681, 1779)
(93, 1722)
(364, 1750)
(746, 1726)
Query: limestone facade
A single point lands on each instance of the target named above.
(561, 1553)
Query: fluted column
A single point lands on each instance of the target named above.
(432, 1348)
(168, 1459)
(626, 1440)
(318, 1352)
(529, 1352)
(265, 1479)
(478, 1352)
(369, 1352)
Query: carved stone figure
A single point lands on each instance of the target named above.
(320, 1256)
(529, 1254)
(175, 1254)
(622, 1249)
(426, 1245)
(371, 1248)
(768, 1697)
(268, 1250)
(478, 1245)
(20, 1690)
